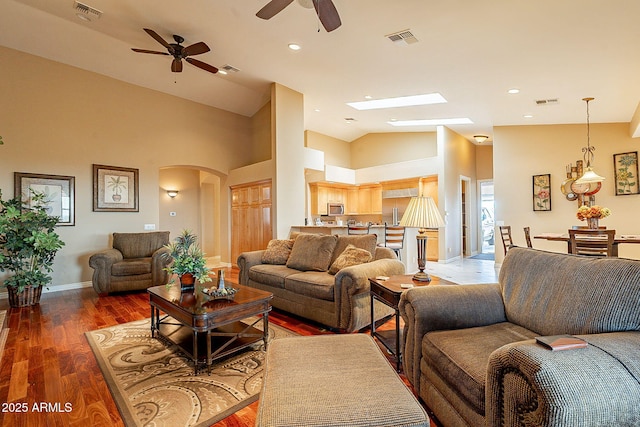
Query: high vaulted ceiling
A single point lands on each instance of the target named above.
(472, 52)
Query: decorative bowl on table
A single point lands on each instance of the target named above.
(220, 293)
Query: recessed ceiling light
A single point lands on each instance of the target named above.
(514, 90)
(368, 97)
(317, 110)
(528, 116)
(402, 101)
(220, 71)
(294, 46)
(432, 122)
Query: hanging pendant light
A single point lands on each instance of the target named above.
(589, 175)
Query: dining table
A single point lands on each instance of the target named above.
(564, 237)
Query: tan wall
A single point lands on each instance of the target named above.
(56, 119)
(336, 151)
(484, 162)
(523, 151)
(261, 134)
(377, 149)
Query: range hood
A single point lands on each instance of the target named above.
(400, 193)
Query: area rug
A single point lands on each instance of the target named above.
(153, 384)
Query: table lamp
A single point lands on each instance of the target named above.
(422, 213)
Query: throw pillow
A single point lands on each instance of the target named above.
(277, 252)
(350, 256)
(312, 252)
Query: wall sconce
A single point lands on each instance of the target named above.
(172, 193)
(480, 138)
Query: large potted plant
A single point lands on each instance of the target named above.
(28, 244)
(189, 263)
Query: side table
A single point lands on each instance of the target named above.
(388, 292)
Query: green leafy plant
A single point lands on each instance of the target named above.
(28, 242)
(187, 257)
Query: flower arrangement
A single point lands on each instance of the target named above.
(586, 212)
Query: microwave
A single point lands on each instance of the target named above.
(335, 209)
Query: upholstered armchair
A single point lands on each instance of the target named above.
(135, 262)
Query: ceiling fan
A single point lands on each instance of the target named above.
(325, 9)
(180, 52)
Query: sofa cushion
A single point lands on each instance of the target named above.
(313, 284)
(350, 256)
(365, 241)
(461, 356)
(271, 275)
(312, 252)
(129, 267)
(277, 252)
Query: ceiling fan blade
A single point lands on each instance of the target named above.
(157, 37)
(328, 14)
(203, 65)
(176, 65)
(149, 51)
(272, 8)
(195, 49)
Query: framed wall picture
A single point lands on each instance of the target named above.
(542, 192)
(58, 190)
(625, 166)
(115, 189)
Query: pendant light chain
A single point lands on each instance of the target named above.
(588, 150)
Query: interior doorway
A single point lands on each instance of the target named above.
(487, 224)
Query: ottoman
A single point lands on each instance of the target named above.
(334, 380)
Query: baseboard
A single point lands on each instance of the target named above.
(57, 288)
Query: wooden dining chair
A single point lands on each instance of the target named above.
(393, 238)
(592, 242)
(527, 236)
(358, 229)
(505, 233)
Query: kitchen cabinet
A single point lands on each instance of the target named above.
(321, 194)
(366, 199)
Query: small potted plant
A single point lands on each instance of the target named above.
(28, 245)
(189, 263)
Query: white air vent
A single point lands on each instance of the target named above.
(402, 36)
(88, 11)
(229, 68)
(546, 101)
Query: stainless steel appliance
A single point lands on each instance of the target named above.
(335, 209)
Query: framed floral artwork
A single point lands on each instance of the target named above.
(625, 166)
(115, 189)
(58, 191)
(542, 192)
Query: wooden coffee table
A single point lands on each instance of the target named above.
(207, 329)
(389, 292)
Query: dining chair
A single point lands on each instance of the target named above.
(505, 233)
(393, 238)
(527, 236)
(592, 242)
(358, 229)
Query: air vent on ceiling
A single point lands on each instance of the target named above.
(229, 68)
(547, 101)
(402, 36)
(88, 11)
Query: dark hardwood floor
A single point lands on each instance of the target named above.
(49, 376)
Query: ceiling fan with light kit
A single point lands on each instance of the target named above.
(180, 52)
(326, 10)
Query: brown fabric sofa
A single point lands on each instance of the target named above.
(471, 355)
(302, 284)
(135, 262)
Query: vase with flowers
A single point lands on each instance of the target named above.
(592, 214)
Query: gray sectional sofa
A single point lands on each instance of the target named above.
(471, 355)
(302, 282)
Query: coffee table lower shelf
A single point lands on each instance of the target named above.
(222, 341)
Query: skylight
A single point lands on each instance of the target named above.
(432, 122)
(402, 101)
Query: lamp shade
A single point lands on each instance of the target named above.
(422, 212)
(589, 176)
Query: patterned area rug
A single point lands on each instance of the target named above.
(153, 384)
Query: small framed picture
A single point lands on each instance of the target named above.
(115, 189)
(542, 192)
(58, 191)
(625, 166)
